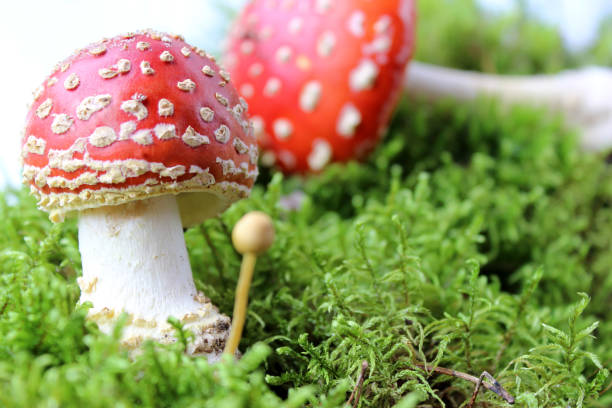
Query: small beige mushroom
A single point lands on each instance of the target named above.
(252, 236)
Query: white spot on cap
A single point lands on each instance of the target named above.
(382, 24)
(348, 121)
(244, 103)
(321, 6)
(197, 169)
(143, 137)
(240, 146)
(229, 167)
(107, 73)
(187, 85)
(247, 47)
(320, 155)
(283, 54)
(295, 25)
(143, 45)
(61, 123)
(44, 108)
(98, 50)
(363, 77)
(253, 153)
(186, 51)
(208, 71)
(91, 105)
(38, 92)
(102, 136)
(282, 128)
(310, 96)
(165, 108)
(35, 145)
(166, 56)
(123, 66)
(326, 44)
(273, 85)
(380, 45)
(225, 75)
(268, 158)
(207, 114)
(145, 68)
(193, 138)
(72, 81)
(222, 99)
(173, 172)
(255, 70)
(127, 129)
(165, 131)
(135, 108)
(247, 90)
(222, 134)
(355, 23)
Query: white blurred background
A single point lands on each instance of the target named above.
(37, 33)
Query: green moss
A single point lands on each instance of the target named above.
(465, 241)
(475, 239)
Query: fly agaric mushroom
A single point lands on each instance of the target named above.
(582, 95)
(321, 77)
(252, 235)
(141, 135)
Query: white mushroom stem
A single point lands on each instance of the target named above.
(135, 260)
(582, 96)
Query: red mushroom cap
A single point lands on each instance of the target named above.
(136, 116)
(321, 77)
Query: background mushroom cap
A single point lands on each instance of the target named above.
(136, 116)
(321, 77)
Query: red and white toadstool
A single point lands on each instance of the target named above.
(321, 77)
(141, 134)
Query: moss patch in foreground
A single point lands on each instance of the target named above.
(473, 239)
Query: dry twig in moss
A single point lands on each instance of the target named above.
(494, 386)
(356, 394)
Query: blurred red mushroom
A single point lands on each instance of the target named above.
(321, 77)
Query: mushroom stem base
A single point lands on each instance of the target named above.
(135, 262)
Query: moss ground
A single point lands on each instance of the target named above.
(474, 239)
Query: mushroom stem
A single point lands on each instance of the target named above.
(252, 235)
(439, 82)
(580, 95)
(135, 261)
(240, 305)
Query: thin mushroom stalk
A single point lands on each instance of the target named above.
(581, 96)
(252, 235)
